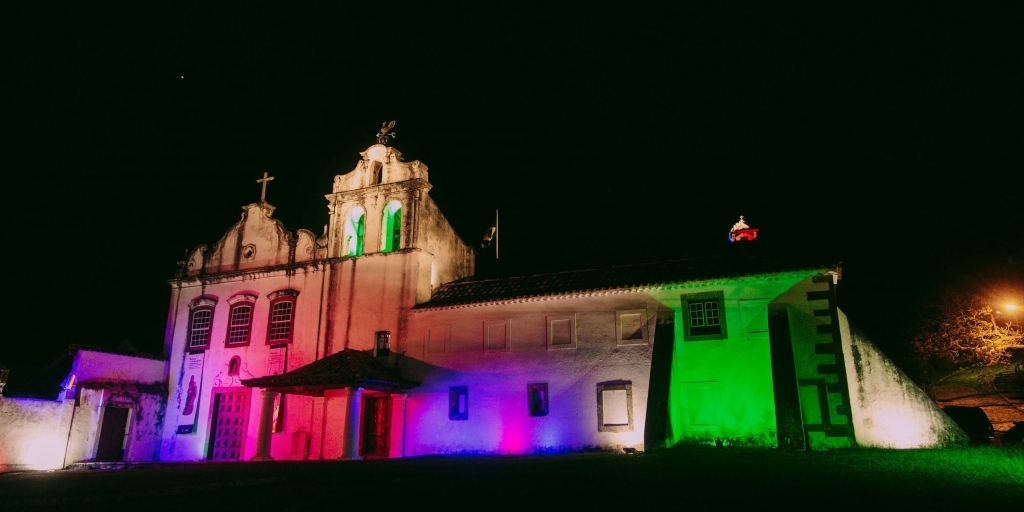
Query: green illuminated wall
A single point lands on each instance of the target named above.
(721, 390)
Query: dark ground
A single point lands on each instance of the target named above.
(686, 479)
(998, 390)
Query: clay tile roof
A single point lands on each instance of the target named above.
(474, 291)
(348, 368)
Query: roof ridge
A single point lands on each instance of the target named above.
(635, 277)
(472, 280)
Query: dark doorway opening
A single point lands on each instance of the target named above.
(376, 428)
(112, 434)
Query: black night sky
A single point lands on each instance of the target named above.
(888, 140)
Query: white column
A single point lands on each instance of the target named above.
(263, 434)
(316, 428)
(353, 410)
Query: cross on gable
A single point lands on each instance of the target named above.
(263, 193)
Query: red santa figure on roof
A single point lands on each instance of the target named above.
(741, 232)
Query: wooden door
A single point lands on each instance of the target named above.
(112, 434)
(376, 428)
(230, 422)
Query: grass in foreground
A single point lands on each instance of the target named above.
(690, 478)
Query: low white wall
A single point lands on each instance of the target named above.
(889, 410)
(34, 433)
(50, 434)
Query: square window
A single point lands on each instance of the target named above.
(458, 403)
(631, 327)
(704, 316)
(615, 406)
(561, 332)
(537, 398)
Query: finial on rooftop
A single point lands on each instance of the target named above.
(742, 232)
(386, 133)
(263, 181)
(740, 225)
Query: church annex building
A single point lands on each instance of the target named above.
(375, 340)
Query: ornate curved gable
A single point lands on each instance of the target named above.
(380, 165)
(257, 240)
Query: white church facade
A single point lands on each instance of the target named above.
(376, 340)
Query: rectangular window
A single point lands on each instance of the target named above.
(615, 406)
(239, 323)
(383, 343)
(754, 314)
(497, 335)
(437, 339)
(199, 329)
(280, 322)
(705, 316)
(537, 398)
(458, 403)
(631, 327)
(561, 332)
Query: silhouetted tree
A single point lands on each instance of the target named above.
(960, 329)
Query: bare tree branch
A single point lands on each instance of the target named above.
(961, 329)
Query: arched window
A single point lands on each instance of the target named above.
(391, 227)
(233, 366)
(200, 320)
(377, 172)
(281, 325)
(355, 224)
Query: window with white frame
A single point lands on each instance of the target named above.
(282, 317)
(200, 321)
(704, 316)
(615, 406)
(497, 334)
(631, 327)
(240, 319)
(561, 332)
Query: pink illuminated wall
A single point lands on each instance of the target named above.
(498, 368)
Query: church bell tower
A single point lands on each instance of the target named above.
(375, 207)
